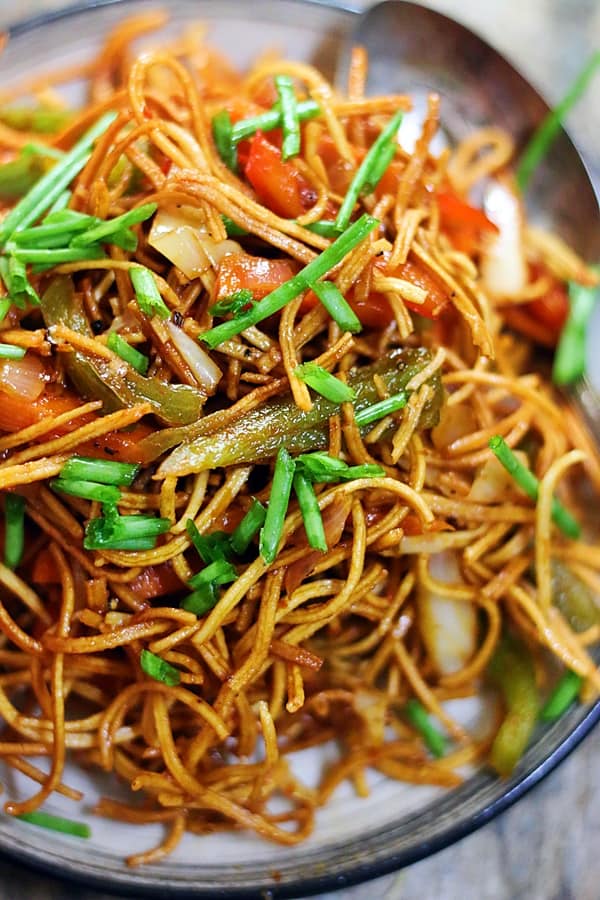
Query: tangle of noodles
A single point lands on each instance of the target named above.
(428, 564)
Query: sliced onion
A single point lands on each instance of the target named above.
(176, 234)
(455, 422)
(448, 626)
(205, 370)
(493, 484)
(23, 377)
(503, 264)
(334, 519)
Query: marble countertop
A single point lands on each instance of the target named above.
(546, 847)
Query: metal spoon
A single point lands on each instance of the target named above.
(417, 50)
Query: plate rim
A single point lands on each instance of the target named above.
(353, 874)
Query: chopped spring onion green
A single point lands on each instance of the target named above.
(267, 121)
(249, 526)
(105, 230)
(159, 669)
(55, 257)
(563, 695)
(5, 305)
(570, 356)
(290, 123)
(543, 138)
(53, 235)
(51, 185)
(17, 283)
(337, 306)
(61, 202)
(419, 718)
(122, 348)
(234, 303)
(311, 514)
(218, 572)
(147, 293)
(10, 351)
(88, 490)
(321, 468)
(222, 130)
(124, 532)
(211, 547)
(202, 600)
(14, 534)
(282, 295)
(102, 471)
(324, 228)
(232, 229)
(529, 483)
(324, 383)
(281, 488)
(56, 823)
(380, 410)
(371, 169)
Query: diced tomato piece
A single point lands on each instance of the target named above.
(437, 292)
(240, 271)
(44, 569)
(278, 184)
(118, 445)
(542, 319)
(552, 309)
(156, 581)
(464, 224)
(374, 312)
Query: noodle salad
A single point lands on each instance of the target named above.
(281, 457)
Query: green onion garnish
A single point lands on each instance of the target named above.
(380, 410)
(17, 282)
(324, 383)
(88, 490)
(210, 547)
(234, 303)
(311, 514)
(530, 485)
(282, 295)
(53, 234)
(281, 488)
(57, 256)
(249, 526)
(103, 232)
(267, 121)
(570, 356)
(232, 229)
(324, 228)
(337, 306)
(419, 718)
(202, 600)
(218, 572)
(159, 669)
(56, 823)
(132, 356)
(124, 532)
(51, 185)
(61, 202)
(543, 138)
(222, 130)
(9, 351)
(14, 535)
(290, 123)
(5, 305)
(563, 695)
(321, 468)
(147, 293)
(371, 169)
(103, 471)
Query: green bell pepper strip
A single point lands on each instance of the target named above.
(511, 670)
(279, 423)
(97, 378)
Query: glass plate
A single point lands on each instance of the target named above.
(355, 839)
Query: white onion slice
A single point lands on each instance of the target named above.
(23, 378)
(175, 233)
(205, 370)
(503, 264)
(492, 483)
(448, 626)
